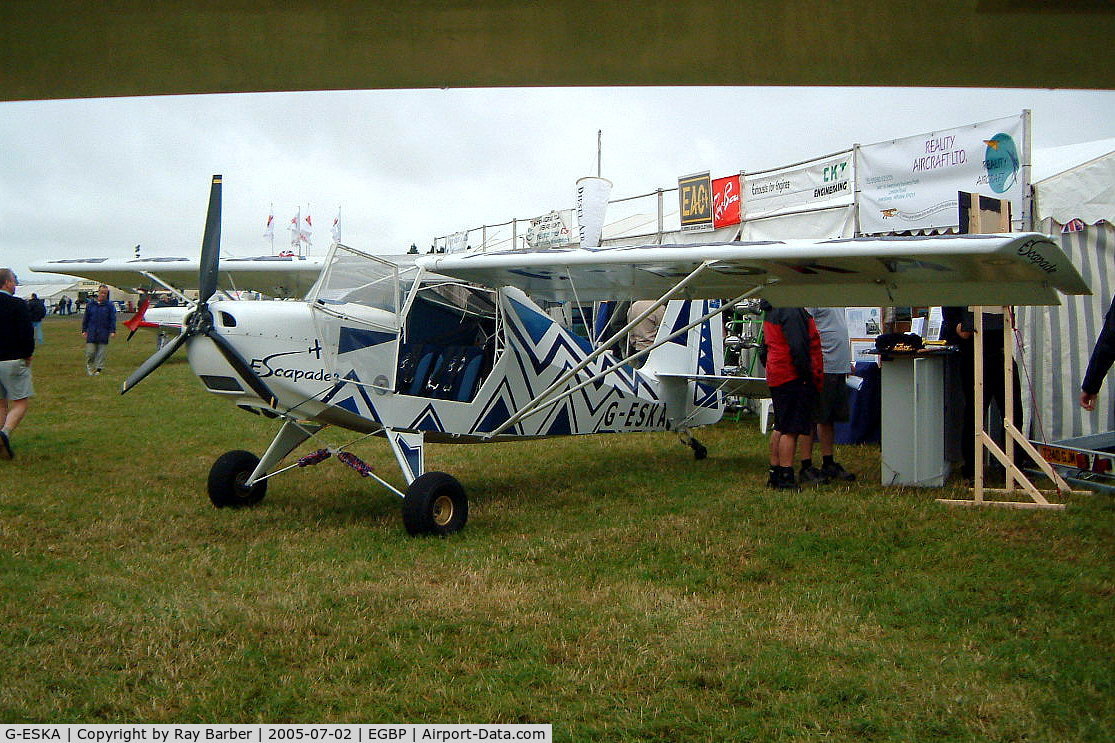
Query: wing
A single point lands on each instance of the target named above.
(729, 385)
(1011, 269)
(277, 276)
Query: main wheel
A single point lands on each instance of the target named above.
(227, 477)
(435, 503)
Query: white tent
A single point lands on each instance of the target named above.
(1074, 199)
(49, 293)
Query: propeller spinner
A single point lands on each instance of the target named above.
(200, 321)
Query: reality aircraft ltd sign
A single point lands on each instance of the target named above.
(912, 183)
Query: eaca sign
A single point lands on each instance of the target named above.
(695, 201)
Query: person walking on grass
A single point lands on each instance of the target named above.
(17, 346)
(37, 308)
(98, 326)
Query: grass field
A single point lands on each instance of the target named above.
(610, 585)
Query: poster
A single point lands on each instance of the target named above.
(863, 322)
(695, 202)
(457, 242)
(912, 183)
(725, 201)
(553, 230)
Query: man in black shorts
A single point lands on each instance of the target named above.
(794, 374)
(832, 404)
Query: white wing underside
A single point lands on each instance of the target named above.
(272, 275)
(1011, 269)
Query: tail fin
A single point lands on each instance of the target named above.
(694, 353)
(135, 322)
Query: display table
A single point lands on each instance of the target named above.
(913, 402)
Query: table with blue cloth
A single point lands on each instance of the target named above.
(865, 408)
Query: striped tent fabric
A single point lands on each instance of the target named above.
(1054, 343)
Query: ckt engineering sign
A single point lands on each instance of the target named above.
(822, 183)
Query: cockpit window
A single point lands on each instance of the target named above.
(354, 277)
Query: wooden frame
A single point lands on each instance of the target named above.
(981, 215)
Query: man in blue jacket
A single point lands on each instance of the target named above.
(98, 326)
(1102, 357)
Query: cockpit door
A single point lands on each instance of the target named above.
(356, 312)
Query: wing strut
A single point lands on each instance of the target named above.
(599, 351)
(168, 287)
(540, 403)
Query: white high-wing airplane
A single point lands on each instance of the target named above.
(457, 350)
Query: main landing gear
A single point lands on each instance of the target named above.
(227, 480)
(433, 503)
(699, 450)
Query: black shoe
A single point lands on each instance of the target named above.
(5, 447)
(772, 479)
(785, 481)
(812, 476)
(834, 471)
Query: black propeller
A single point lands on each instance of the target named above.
(200, 321)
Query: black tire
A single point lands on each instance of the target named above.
(435, 503)
(227, 478)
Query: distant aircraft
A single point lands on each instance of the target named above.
(457, 350)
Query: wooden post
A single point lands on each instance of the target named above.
(977, 402)
(972, 221)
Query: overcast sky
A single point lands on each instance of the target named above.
(92, 178)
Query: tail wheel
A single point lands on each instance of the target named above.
(227, 477)
(435, 503)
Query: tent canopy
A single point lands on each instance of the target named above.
(1075, 182)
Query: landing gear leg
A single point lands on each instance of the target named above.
(233, 477)
(286, 440)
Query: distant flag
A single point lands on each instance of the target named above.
(269, 231)
(307, 230)
(337, 226)
(295, 229)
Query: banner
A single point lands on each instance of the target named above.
(457, 242)
(816, 184)
(553, 230)
(592, 203)
(725, 201)
(912, 183)
(695, 202)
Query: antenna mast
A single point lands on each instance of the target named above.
(599, 133)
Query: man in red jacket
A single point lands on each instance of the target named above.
(795, 373)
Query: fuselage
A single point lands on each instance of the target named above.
(451, 375)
